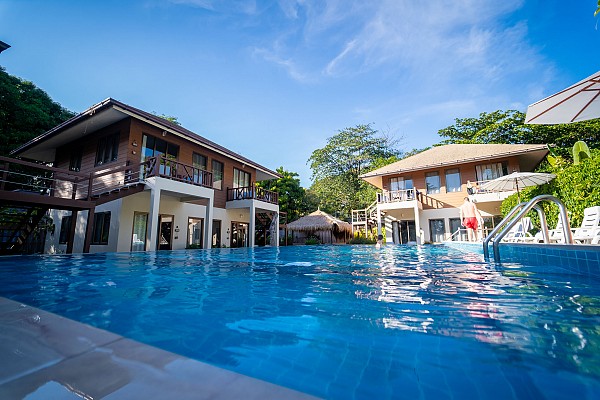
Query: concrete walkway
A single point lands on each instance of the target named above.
(45, 356)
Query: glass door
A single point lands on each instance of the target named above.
(165, 232)
(138, 239)
(239, 234)
(437, 230)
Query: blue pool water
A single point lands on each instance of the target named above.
(340, 322)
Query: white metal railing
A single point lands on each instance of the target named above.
(394, 196)
(478, 190)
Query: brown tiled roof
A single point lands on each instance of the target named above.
(143, 115)
(453, 154)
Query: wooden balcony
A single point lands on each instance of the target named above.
(252, 192)
(172, 169)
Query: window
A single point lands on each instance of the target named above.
(217, 171)
(437, 230)
(199, 162)
(486, 172)
(402, 183)
(396, 184)
(138, 239)
(65, 225)
(101, 228)
(154, 147)
(432, 181)
(453, 180)
(108, 149)
(240, 178)
(195, 232)
(75, 162)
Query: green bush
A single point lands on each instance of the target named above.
(576, 185)
(362, 240)
(312, 240)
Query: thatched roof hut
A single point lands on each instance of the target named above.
(319, 222)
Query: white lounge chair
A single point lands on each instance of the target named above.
(555, 235)
(590, 226)
(520, 232)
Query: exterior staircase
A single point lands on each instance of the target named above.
(18, 229)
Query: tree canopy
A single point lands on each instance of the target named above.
(337, 166)
(293, 199)
(25, 112)
(509, 127)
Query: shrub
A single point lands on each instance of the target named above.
(312, 240)
(576, 185)
(362, 240)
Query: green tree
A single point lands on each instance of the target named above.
(169, 118)
(292, 197)
(337, 166)
(25, 112)
(509, 127)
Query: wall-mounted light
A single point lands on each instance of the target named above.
(134, 144)
(164, 133)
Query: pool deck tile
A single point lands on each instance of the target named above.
(48, 356)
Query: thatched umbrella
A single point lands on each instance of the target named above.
(320, 221)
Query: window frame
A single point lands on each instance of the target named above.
(217, 183)
(75, 160)
(236, 183)
(101, 228)
(456, 188)
(107, 150)
(439, 182)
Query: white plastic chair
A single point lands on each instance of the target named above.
(520, 232)
(590, 226)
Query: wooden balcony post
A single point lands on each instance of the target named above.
(72, 228)
(88, 230)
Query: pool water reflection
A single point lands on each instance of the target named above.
(339, 321)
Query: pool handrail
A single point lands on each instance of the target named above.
(505, 227)
(499, 227)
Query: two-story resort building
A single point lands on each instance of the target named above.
(420, 195)
(126, 180)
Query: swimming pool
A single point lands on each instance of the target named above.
(340, 321)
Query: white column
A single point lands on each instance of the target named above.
(275, 230)
(152, 232)
(208, 221)
(252, 225)
(417, 224)
(378, 220)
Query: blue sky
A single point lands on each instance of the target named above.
(273, 80)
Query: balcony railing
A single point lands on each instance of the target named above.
(177, 171)
(252, 193)
(394, 196)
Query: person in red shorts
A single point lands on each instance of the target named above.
(469, 215)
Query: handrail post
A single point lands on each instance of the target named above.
(498, 228)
